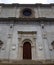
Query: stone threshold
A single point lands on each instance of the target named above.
(26, 62)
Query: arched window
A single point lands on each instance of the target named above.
(1, 43)
(52, 44)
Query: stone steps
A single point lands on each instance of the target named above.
(26, 62)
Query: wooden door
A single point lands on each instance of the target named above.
(26, 50)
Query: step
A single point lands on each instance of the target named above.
(26, 62)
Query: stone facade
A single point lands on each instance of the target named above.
(38, 29)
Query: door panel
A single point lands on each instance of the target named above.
(26, 50)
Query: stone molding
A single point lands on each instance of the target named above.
(26, 37)
(26, 5)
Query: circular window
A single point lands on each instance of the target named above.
(27, 12)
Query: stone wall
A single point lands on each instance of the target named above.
(47, 12)
(9, 36)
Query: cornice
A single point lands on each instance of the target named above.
(26, 5)
(27, 19)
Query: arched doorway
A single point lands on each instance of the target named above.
(26, 50)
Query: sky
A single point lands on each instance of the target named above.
(26, 1)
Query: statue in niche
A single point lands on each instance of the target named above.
(1, 43)
(52, 44)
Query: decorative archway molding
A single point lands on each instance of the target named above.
(26, 37)
(26, 40)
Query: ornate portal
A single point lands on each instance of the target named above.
(27, 39)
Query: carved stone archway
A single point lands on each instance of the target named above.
(26, 37)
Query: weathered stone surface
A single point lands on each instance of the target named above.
(37, 29)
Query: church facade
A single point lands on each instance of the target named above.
(27, 32)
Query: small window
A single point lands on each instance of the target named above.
(1, 43)
(52, 44)
(27, 12)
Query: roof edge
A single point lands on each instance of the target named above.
(22, 5)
